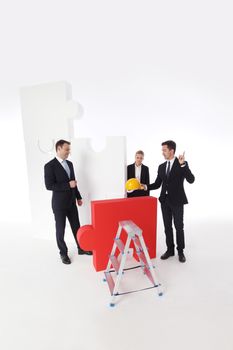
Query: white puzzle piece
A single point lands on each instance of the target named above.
(100, 175)
(48, 114)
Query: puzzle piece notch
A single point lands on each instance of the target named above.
(48, 113)
(106, 215)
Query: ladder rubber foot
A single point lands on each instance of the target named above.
(111, 304)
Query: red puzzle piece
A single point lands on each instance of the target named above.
(106, 214)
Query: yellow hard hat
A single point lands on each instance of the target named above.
(132, 185)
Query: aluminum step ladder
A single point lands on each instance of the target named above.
(134, 234)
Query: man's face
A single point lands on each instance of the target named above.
(139, 159)
(167, 153)
(63, 151)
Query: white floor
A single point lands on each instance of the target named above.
(47, 305)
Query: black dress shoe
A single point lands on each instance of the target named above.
(65, 259)
(166, 255)
(84, 252)
(182, 258)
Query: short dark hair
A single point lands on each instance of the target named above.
(60, 143)
(170, 145)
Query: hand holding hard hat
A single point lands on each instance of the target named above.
(132, 185)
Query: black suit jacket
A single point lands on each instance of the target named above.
(145, 179)
(57, 180)
(174, 185)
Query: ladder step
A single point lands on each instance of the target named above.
(115, 262)
(109, 279)
(137, 242)
(142, 257)
(120, 245)
(134, 235)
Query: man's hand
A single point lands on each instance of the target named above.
(181, 159)
(73, 183)
(80, 202)
(143, 187)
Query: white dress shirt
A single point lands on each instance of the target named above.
(138, 170)
(61, 161)
(171, 163)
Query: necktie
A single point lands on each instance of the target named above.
(168, 169)
(66, 167)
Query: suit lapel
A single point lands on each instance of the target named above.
(61, 167)
(71, 170)
(164, 169)
(173, 169)
(142, 174)
(133, 170)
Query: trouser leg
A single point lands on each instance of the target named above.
(167, 220)
(178, 215)
(73, 217)
(60, 223)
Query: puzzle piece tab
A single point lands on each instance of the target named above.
(106, 215)
(48, 114)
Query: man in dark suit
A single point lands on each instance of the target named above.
(171, 175)
(60, 178)
(139, 171)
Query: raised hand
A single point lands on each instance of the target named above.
(181, 158)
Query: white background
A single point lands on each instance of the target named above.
(149, 70)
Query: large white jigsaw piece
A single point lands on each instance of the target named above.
(100, 175)
(48, 114)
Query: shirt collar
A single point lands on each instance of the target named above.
(59, 159)
(171, 161)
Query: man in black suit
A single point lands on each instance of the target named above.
(171, 175)
(60, 178)
(139, 171)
